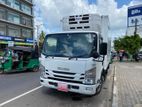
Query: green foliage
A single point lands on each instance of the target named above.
(131, 44)
(141, 41)
(41, 38)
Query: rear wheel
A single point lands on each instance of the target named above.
(1, 71)
(35, 69)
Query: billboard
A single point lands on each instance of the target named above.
(134, 16)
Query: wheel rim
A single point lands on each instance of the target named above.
(99, 88)
(35, 69)
(1, 71)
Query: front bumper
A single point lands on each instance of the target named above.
(72, 87)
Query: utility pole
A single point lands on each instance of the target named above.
(136, 22)
(38, 27)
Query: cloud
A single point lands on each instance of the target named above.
(52, 11)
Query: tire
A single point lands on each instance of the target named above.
(99, 88)
(35, 69)
(1, 71)
(104, 74)
(108, 67)
(103, 78)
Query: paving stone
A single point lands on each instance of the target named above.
(129, 84)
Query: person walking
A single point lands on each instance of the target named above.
(120, 56)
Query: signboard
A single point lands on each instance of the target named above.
(10, 43)
(29, 40)
(7, 38)
(134, 16)
(15, 40)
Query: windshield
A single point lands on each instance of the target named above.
(6, 53)
(68, 45)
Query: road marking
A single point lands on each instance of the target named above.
(8, 101)
(115, 91)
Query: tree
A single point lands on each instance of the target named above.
(131, 44)
(118, 44)
(41, 38)
(141, 42)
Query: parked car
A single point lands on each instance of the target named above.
(137, 56)
(140, 55)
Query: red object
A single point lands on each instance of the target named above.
(121, 50)
(63, 87)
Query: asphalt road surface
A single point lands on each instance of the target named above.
(24, 90)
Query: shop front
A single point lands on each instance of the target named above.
(6, 41)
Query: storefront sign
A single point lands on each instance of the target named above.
(8, 38)
(10, 43)
(19, 39)
(29, 40)
(15, 40)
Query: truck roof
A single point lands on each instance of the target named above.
(62, 32)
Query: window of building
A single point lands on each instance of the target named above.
(12, 17)
(27, 33)
(27, 21)
(13, 31)
(2, 29)
(2, 13)
(26, 9)
(3, 1)
(14, 4)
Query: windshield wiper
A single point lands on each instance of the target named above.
(54, 55)
(78, 56)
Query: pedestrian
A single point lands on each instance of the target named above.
(120, 56)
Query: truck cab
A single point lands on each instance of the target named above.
(68, 61)
(73, 61)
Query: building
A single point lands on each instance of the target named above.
(16, 23)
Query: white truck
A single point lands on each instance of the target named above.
(77, 59)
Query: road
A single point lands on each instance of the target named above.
(16, 90)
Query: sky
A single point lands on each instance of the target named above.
(120, 2)
(48, 13)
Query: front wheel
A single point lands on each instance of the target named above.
(99, 88)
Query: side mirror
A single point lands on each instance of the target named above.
(95, 54)
(103, 48)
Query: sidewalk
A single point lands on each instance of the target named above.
(129, 84)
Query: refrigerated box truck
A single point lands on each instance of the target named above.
(77, 59)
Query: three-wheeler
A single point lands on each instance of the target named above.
(19, 58)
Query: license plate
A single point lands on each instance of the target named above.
(63, 87)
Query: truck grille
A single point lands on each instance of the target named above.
(67, 76)
(63, 75)
(60, 72)
(63, 80)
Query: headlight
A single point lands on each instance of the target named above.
(90, 77)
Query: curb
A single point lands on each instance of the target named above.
(115, 90)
